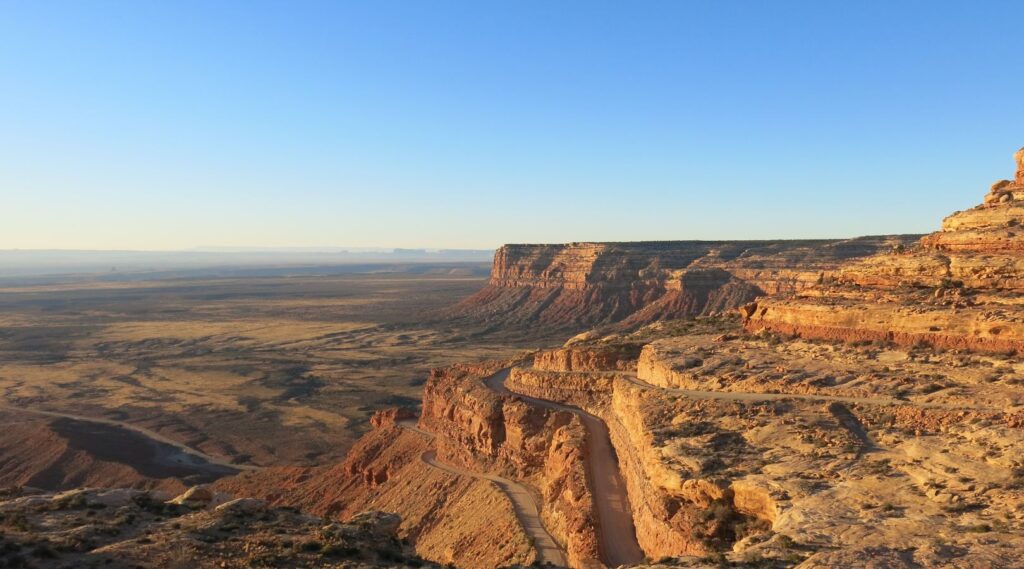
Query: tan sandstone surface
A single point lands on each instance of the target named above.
(958, 288)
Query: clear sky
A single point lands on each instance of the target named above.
(170, 125)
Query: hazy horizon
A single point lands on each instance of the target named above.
(166, 126)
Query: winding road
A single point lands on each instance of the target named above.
(524, 503)
(617, 533)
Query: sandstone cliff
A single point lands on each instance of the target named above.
(581, 285)
(675, 512)
(486, 431)
(958, 288)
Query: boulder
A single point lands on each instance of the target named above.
(114, 498)
(378, 522)
(241, 506)
(200, 497)
(391, 416)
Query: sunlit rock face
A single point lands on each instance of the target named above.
(958, 288)
(581, 285)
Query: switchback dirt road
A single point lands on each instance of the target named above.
(525, 505)
(619, 545)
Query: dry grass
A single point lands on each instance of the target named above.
(269, 370)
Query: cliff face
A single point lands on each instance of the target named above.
(488, 432)
(958, 288)
(610, 358)
(581, 285)
(675, 511)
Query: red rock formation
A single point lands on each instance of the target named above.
(453, 519)
(958, 289)
(590, 358)
(579, 285)
(391, 416)
(1019, 157)
(484, 431)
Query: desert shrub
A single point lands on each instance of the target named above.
(785, 542)
(391, 555)
(718, 558)
(43, 551)
(16, 520)
(751, 526)
(341, 550)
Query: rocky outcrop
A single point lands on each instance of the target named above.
(391, 416)
(836, 448)
(588, 358)
(675, 512)
(484, 431)
(578, 285)
(958, 288)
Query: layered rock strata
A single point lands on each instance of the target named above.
(855, 452)
(578, 285)
(958, 288)
(674, 513)
(485, 431)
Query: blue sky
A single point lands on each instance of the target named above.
(170, 125)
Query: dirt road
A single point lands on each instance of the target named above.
(524, 503)
(619, 545)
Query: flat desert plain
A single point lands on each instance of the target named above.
(253, 371)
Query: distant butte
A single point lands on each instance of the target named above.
(581, 285)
